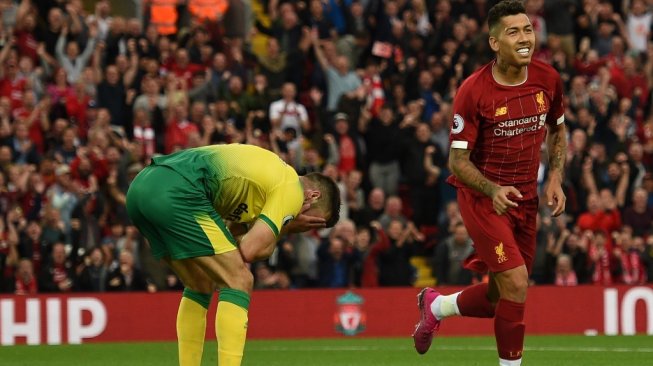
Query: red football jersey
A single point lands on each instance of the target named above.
(503, 125)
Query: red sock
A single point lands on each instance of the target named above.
(473, 302)
(509, 329)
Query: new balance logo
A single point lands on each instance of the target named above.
(501, 111)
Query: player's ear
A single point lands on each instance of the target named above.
(313, 195)
(494, 43)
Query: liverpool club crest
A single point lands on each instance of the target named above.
(349, 319)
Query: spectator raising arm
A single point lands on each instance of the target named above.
(319, 53)
(71, 62)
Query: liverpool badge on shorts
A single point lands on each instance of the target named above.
(349, 319)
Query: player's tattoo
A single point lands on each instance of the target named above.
(557, 147)
(468, 173)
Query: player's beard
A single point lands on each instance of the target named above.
(507, 55)
(504, 65)
(522, 61)
(512, 60)
(517, 60)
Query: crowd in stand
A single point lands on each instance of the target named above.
(360, 90)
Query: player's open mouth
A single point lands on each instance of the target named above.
(523, 51)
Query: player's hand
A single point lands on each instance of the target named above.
(501, 201)
(304, 222)
(555, 198)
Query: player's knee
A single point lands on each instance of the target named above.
(515, 292)
(242, 280)
(513, 285)
(518, 287)
(200, 285)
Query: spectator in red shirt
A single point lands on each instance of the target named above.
(603, 261)
(77, 105)
(59, 90)
(183, 68)
(58, 274)
(144, 133)
(565, 275)
(348, 149)
(26, 282)
(82, 173)
(36, 116)
(179, 128)
(97, 144)
(633, 269)
(602, 213)
(12, 85)
(25, 33)
(629, 80)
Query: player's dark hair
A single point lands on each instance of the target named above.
(502, 9)
(329, 201)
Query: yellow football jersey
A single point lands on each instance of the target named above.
(244, 182)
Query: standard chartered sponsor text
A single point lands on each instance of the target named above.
(518, 122)
(502, 131)
(516, 131)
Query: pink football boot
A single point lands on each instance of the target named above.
(428, 325)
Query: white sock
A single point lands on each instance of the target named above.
(445, 306)
(503, 362)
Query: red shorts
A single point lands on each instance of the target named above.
(502, 242)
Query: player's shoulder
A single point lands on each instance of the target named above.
(473, 82)
(257, 153)
(479, 75)
(541, 68)
(255, 157)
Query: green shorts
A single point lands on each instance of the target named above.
(175, 216)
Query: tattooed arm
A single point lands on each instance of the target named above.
(469, 174)
(556, 143)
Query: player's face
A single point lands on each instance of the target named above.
(514, 40)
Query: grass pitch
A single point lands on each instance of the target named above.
(451, 351)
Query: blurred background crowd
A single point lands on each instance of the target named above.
(358, 89)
